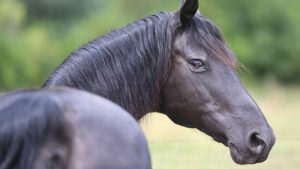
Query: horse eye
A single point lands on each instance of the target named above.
(197, 64)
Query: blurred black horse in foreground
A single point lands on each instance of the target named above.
(68, 129)
(177, 64)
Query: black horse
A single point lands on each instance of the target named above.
(68, 129)
(176, 64)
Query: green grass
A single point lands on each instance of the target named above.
(175, 147)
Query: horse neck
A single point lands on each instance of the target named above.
(128, 66)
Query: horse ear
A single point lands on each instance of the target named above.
(188, 10)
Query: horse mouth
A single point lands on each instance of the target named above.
(238, 155)
(241, 157)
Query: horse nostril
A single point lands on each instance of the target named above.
(256, 143)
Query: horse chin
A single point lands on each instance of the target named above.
(240, 157)
(221, 139)
(217, 137)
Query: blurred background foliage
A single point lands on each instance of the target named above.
(36, 35)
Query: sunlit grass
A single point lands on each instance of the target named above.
(175, 147)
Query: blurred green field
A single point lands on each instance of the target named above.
(175, 147)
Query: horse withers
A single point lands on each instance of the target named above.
(68, 129)
(177, 64)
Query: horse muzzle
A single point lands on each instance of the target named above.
(255, 150)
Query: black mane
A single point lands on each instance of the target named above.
(126, 66)
(129, 66)
(25, 121)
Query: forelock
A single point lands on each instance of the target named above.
(210, 38)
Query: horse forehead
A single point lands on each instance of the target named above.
(204, 46)
(183, 41)
(188, 46)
